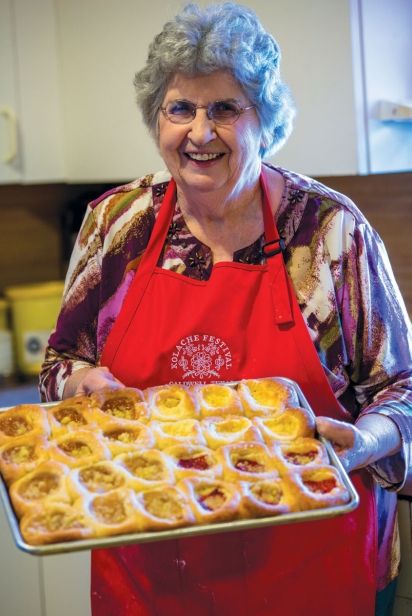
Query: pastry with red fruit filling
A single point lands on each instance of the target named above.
(246, 461)
(212, 500)
(193, 460)
(318, 487)
(301, 452)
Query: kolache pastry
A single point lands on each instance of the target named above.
(219, 431)
(168, 433)
(211, 500)
(112, 513)
(23, 420)
(171, 403)
(22, 455)
(53, 522)
(164, 507)
(265, 396)
(73, 414)
(268, 497)
(96, 478)
(78, 448)
(289, 425)
(216, 400)
(128, 461)
(301, 452)
(119, 436)
(46, 484)
(193, 460)
(246, 461)
(319, 486)
(127, 404)
(146, 469)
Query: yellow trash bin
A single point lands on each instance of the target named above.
(34, 310)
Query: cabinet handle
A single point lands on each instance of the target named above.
(11, 120)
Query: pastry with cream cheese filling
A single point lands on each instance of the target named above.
(126, 403)
(219, 431)
(55, 522)
(168, 433)
(217, 399)
(318, 487)
(78, 448)
(23, 420)
(47, 483)
(22, 455)
(301, 452)
(171, 403)
(212, 500)
(120, 436)
(146, 468)
(97, 478)
(246, 461)
(290, 424)
(264, 397)
(193, 460)
(163, 508)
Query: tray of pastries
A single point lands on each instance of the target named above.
(128, 466)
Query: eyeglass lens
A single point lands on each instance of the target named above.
(182, 111)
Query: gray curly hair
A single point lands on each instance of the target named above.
(224, 36)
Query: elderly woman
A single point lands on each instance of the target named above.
(288, 277)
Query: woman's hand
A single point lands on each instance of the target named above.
(88, 380)
(373, 437)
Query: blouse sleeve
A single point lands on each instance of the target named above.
(72, 345)
(380, 346)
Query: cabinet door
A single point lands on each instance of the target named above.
(20, 593)
(9, 162)
(29, 88)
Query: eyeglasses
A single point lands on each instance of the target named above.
(220, 112)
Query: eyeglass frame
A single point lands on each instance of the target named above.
(240, 111)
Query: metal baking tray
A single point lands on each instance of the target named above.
(189, 531)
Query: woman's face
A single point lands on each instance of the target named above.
(233, 160)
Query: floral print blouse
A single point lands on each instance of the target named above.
(343, 282)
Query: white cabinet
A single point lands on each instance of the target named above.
(30, 93)
(20, 578)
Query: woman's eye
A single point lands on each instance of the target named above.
(224, 109)
(182, 108)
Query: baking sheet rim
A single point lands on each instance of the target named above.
(186, 531)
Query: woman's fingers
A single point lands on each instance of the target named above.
(96, 379)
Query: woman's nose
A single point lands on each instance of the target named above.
(202, 129)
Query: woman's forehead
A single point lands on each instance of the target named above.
(204, 88)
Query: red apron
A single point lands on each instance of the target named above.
(243, 322)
